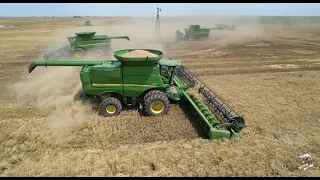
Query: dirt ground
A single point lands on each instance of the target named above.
(267, 73)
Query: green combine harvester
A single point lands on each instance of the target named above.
(194, 32)
(84, 43)
(153, 83)
(87, 23)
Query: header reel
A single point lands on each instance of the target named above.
(228, 118)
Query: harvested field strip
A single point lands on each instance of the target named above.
(219, 64)
(15, 63)
(296, 43)
(183, 57)
(248, 56)
(112, 133)
(245, 53)
(193, 47)
(299, 38)
(278, 42)
(23, 110)
(213, 71)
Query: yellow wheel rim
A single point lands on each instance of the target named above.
(157, 107)
(191, 38)
(78, 54)
(111, 109)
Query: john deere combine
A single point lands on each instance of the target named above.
(194, 32)
(152, 82)
(87, 23)
(84, 43)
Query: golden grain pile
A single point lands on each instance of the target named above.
(139, 54)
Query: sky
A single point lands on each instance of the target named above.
(149, 9)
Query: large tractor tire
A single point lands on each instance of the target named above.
(110, 106)
(156, 103)
(152, 92)
(79, 53)
(191, 38)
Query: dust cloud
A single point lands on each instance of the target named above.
(245, 31)
(142, 33)
(54, 89)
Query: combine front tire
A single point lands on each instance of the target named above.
(110, 106)
(156, 103)
(191, 38)
(79, 53)
(99, 52)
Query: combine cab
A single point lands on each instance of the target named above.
(85, 43)
(152, 82)
(194, 32)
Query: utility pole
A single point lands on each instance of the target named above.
(157, 30)
(53, 22)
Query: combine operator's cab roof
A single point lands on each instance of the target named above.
(194, 26)
(85, 34)
(170, 63)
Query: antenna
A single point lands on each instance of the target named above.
(157, 30)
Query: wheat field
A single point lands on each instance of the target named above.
(268, 73)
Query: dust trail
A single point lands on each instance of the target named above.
(53, 89)
(247, 29)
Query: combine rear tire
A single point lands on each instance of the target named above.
(79, 53)
(110, 106)
(202, 38)
(156, 103)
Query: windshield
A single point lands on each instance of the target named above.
(166, 73)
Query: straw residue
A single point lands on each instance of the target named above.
(139, 54)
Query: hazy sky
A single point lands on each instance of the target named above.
(149, 9)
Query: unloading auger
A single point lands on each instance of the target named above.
(152, 82)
